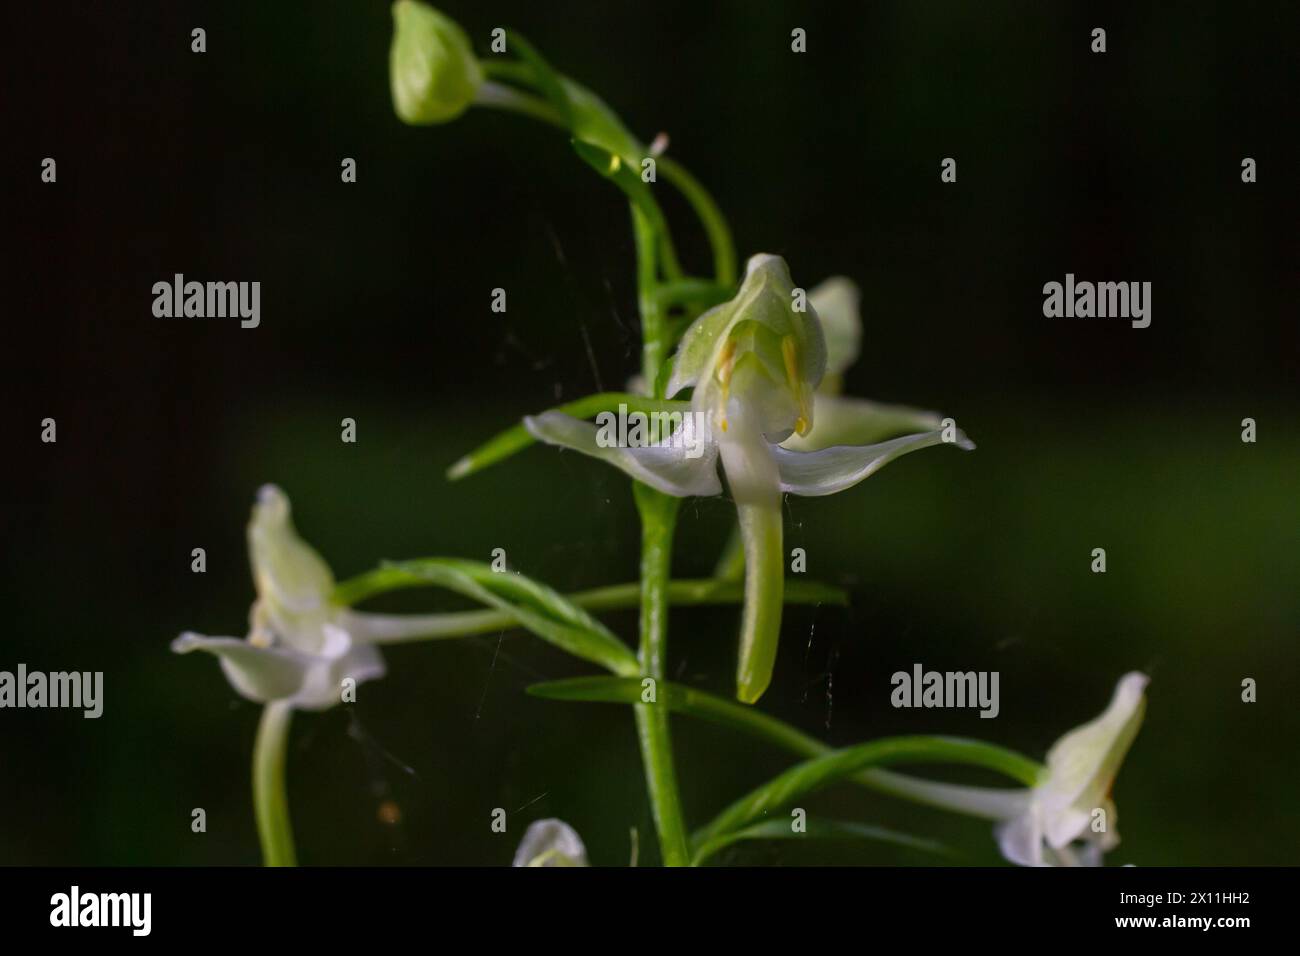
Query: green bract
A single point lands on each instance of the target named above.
(432, 67)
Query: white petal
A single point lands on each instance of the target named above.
(667, 466)
(855, 421)
(258, 673)
(324, 685)
(550, 842)
(264, 674)
(1021, 839)
(1082, 764)
(833, 469)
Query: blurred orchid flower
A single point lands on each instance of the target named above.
(300, 645)
(754, 364)
(1071, 803)
(550, 842)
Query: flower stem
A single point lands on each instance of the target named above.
(711, 218)
(658, 521)
(502, 97)
(654, 341)
(270, 801)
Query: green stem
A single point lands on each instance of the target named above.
(270, 800)
(658, 521)
(502, 97)
(711, 217)
(654, 343)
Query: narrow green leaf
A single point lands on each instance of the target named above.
(818, 829)
(516, 438)
(748, 720)
(685, 700)
(822, 771)
(534, 606)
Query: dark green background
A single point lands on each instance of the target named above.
(1123, 166)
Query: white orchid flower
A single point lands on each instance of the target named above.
(550, 842)
(300, 645)
(1068, 818)
(754, 364)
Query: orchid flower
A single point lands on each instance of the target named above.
(550, 842)
(754, 364)
(1070, 804)
(300, 645)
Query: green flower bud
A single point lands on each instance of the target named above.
(432, 68)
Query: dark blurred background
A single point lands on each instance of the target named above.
(225, 165)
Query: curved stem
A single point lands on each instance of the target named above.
(818, 772)
(710, 215)
(502, 97)
(270, 800)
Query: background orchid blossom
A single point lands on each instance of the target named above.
(550, 842)
(754, 364)
(300, 644)
(1040, 825)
